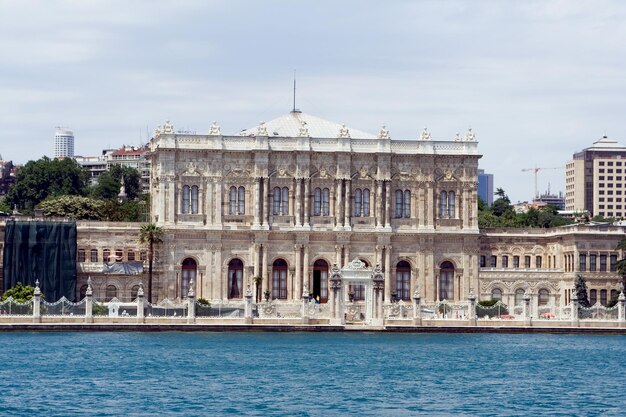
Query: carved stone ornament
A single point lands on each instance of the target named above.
(344, 132)
(425, 135)
(167, 127)
(447, 175)
(282, 171)
(470, 136)
(303, 132)
(214, 129)
(384, 133)
(457, 137)
(262, 129)
(323, 172)
(363, 172)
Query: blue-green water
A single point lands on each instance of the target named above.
(310, 374)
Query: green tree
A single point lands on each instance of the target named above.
(20, 293)
(110, 182)
(73, 207)
(4, 205)
(502, 204)
(620, 266)
(38, 180)
(581, 290)
(150, 234)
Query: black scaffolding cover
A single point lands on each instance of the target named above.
(44, 251)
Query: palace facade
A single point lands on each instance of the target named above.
(275, 207)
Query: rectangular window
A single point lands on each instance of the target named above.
(613, 262)
(527, 261)
(94, 255)
(515, 261)
(505, 261)
(602, 263)
(493, 261)
(538, 261)
(592, 263)
(106, 255)
(483, 261)
(131, 255)
(582, 262)
(143, 256)
(81, 255)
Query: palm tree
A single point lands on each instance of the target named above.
(150, 234)
(620, 266)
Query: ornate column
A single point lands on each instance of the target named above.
(191, 303)
(257, 202)
(264, 272)
(338, 203)
(247, 313)
(527, 317)
(388, 204)
(379, 204)
(160, 203)
(89, 301)
(298, 206)
(574, 303)
(217, 200)
(346, 254)
(266, 200)
(307, 201)
(298, 284)
(36, 303)
(621, 309)
(430, 207)
(346, 205)
(388, 273)
(417, 308)
(378, 287)
(472, 307)
(140, 303)
(305, 270)
(335, 293)
(338, 255)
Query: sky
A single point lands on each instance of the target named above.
(535, 80)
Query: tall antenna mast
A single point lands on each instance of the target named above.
(294, 91)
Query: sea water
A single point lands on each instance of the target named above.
(310, 374)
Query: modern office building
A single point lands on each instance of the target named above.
(595, 179)
(485, 187)
(63, 143)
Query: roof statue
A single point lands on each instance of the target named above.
(425, 135)
(167, 127)
(303, 132)
(384, 133)
(262, 129)
(457, 137)
(214, 129)
(157, 131)
(469, 135)
(344, 132)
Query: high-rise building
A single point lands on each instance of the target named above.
(595, 179)
(485, 187)
(63, 142)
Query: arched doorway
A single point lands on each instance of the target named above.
(403, 280)
(320, 280)
(446, 281)
(188, 272)
(235, 278)
(279, 279)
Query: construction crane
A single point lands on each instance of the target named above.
(536, 170)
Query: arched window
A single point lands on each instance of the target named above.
(603, 297)
(505, 261)
(399, 203)
(237, 200)
(194, 199)
(496, 294)
(538, 260)
(235, 278)
(317, 202)
(519, 296)
(544, 296)
(403, 280)
(358, 202)
(279, 279)
(276, 206)
(320, 280)
(232, 200)
(241, 200)
(185, 200)
(111, 292)
(593, 297)
(443, 204)
(284, 204)
(325, 202)
(366, 202)
(83, 292)
(189, 271)
(446, 281)
(106, 255)
(614, 295)
(406, 209)
(451, 205)
(133, 292)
